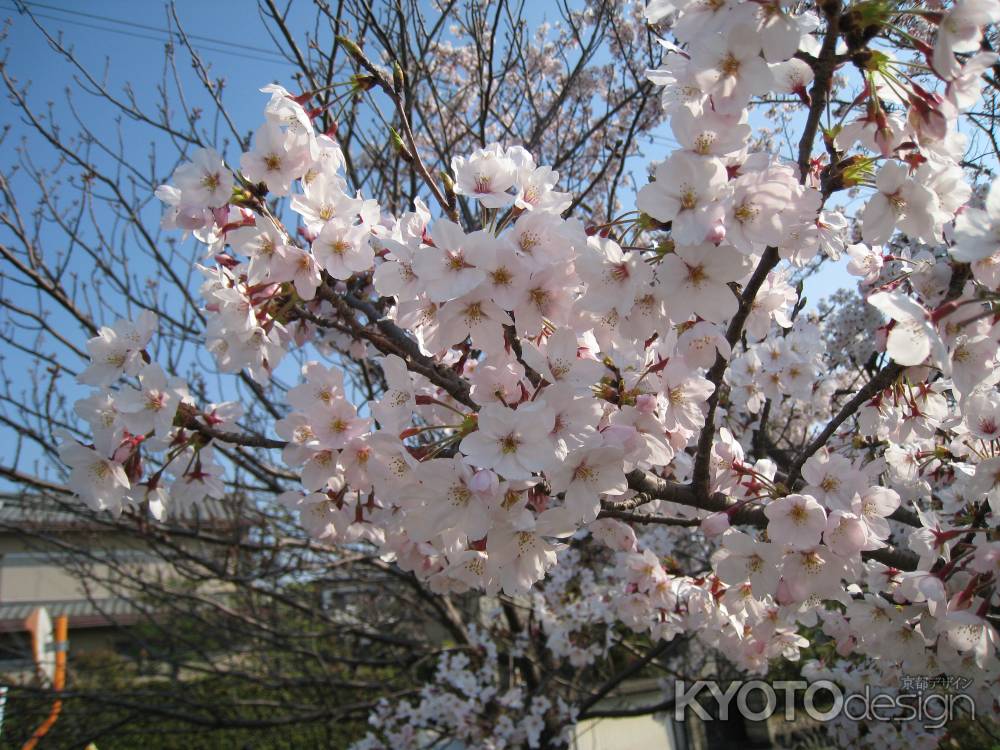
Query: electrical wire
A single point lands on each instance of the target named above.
(134, 24)
(246, 52)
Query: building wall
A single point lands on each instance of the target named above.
(47, 576)
(625, 733)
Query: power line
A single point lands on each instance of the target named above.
(224, 43)
(169, 36)
(136, 35)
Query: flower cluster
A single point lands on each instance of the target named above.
(541, 379)
(465, 703)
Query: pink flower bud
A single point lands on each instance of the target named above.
(646, 403)
(715, 524)
(484, 480)
(716, 235)
(623, 436)
(122, 452)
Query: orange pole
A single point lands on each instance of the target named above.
(58, 682)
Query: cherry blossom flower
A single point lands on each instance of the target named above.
(977, 231)
(845, 534)
(518, 557)
(487, 175)
(338, 424)
(395, 275)
(265, 246)
(448, 502)
(754, 210)
(982, 415)
(742, 558)
(512, 443)
(796, 521)
(866, 262)
(273, 160)
(693, 281)
(204, 181)
(903, 202)
(474, 315)
(105, 419)
(449, 269)
(832, 480)
(684, 393)
(548, 300)
(913, 336)
(561, 362)
(987, 481)
(100, 482)
(586, 474)
(708, 134)
(613, 279)
(397, 403)
(960, 31)
(343, 249)
(117, 350)
(684, 192)
(701, 343)
(303, 270)
(153, 405)
(729, 67)
(809, 573)
(873, 506)
(792, 77)
(535, 190)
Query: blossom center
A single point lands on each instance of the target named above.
(689, 198)
(696, 275)
(501, 277)
(155, 400)
(745, 212)
(829, 483)
(798, 514)
(509, 444)
(459, 495)
(730, 66)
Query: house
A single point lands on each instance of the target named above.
(59, 555)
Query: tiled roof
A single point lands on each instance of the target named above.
(81, 612)
(46, 512)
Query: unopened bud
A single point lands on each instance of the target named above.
(469, 423)
(363, 82)
(240, 195)
(665, 247)
(645, 221)
(449, 190)
(484, 480)
(352, 48)
(399, 147)
(715, 524)
(645, 403)
(397, 78)
(716, 234)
